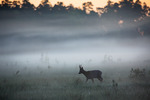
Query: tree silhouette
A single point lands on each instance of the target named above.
(87, 7)
(44, 7)
(16, 5)
(109, 4)
(70, 8)
(123, 12)
(126, 3)
(73, 11)
(131, 10)
(27, 5)
(10, 5)
(59, 8)
(110, 12)
(138, 9)
(6, 5)
(27, 9)
(146, 9)
(108, 8)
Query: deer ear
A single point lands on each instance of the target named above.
(79, 66)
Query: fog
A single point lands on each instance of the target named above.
(62, 43)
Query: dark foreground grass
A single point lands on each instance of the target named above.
(71, 88)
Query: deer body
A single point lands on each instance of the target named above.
(91, 74)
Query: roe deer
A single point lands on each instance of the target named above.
(91, 74)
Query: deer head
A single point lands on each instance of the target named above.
(81, 69)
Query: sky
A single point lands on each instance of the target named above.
(78, 3)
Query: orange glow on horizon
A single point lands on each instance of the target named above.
(78, 3)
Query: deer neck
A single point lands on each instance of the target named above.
(85, 72)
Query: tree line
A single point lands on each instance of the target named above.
(45, 8)
(118, 15)
(125, 9)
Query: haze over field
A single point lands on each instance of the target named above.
(61, 43)
(35, 38)
(47, 52)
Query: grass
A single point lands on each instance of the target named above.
(69, 87)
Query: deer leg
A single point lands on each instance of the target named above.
(100, 79)
(92, 80)
(86, 79)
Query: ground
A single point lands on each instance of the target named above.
(68, 86)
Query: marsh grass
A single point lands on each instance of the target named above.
(69, 87)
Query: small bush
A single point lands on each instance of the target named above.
(137, 73)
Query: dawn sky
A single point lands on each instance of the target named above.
(78, 3)
(97, 3)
